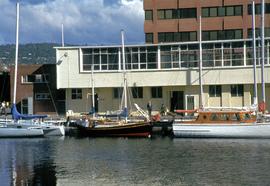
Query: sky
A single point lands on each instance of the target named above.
(86, 22)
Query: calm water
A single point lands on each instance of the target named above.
(122, 161)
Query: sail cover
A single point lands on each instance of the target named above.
(16, 115)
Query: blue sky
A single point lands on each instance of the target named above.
(92, 22)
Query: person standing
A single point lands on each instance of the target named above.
(3, 108)
(149, 108)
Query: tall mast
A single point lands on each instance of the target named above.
(16, 53)
(124, 74)
(262, 50)
(255, 98)
(62, 33)
(93, 91)
(201, 103)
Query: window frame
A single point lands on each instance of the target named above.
(76, 93)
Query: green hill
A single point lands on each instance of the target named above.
(40, 53)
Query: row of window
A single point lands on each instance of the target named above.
(35, 78)
(220, 11)
(258, 8)
(192, 36)
(177, 36)
(216, 90)
(177, 56)
(156, 92)
(222, 34)
(177, 13)
(206, 35)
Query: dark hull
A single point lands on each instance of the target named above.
(129, 130)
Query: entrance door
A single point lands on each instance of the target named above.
(190, 103)
(27, 105)
(177, 100)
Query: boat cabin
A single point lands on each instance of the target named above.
(225, 117)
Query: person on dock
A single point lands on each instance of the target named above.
(149, 109)
(163, 110)
(3, 108)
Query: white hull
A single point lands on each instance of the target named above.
(48, 128)
(222, 130)
(53, 130)
(11, 132)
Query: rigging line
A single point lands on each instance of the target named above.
(47, 84)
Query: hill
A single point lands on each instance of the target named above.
(40, 53)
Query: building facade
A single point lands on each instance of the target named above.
(178, 21)
(165, 70)
(163, 73)
(36, 90)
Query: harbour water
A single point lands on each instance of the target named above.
(127, 161)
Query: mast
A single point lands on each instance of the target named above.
(255, 98)
(63, 39)
(93, 91)
(124, 74)
(200, 65)
(262, 50)
(16, 53)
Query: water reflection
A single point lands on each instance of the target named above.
(27, 162)
(123, 161)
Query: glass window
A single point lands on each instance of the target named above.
(137, 92)
(237, 90)
(205, 12)
(188, 13)
(213, 12)
(149, 38)
(148, 15)
(156, 92)
(161, 14)
(229, 11)
(193, 36)
(221, 11)
(76, 93)
(161, 37)
(238, 10)
(214, 117)
(205, 35)
(117, 93)
(213, 35)
(267, 8)
(168, 14)
(238, 34)
(215, 90)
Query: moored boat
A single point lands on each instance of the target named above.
(12, 132)
(222, 124)
(115, 128)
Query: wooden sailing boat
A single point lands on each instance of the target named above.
(222, 123)
(94, 126)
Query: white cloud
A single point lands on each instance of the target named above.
(85, 21)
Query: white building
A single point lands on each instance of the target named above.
(163, 73)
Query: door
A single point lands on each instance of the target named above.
(27, 105)
(177, 100)
(190, 103)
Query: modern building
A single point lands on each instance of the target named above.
(165, 70)
(36, 90)
(178, 21)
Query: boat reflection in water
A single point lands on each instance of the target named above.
(22, 162)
